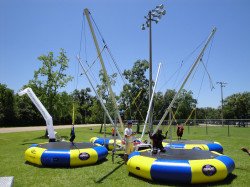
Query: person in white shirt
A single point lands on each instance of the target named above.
(128, 133)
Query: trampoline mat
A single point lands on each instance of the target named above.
(66, 145)
(190, 142)
(181, 154)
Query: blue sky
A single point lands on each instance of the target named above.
(29, 29)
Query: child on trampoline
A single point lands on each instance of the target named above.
(157, 139)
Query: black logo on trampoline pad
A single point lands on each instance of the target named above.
(33, 151)
(196, 148)
(208, 170)
(84, 156)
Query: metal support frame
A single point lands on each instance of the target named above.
(184, 82)
(86, 13)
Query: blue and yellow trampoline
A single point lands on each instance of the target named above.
(107, 142)
(65, 154)
(180, 166)
(191, 144)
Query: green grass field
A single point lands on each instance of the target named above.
(13, 145)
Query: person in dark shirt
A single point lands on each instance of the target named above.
(72, 135)
(179, 131)
(157, 139)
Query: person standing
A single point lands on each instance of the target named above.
(128, 133)
(72, 134)
(180, 130)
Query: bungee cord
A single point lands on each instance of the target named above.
(114, 61)
(181, 66)
(184, 82)
(202, 80)
(90, 66)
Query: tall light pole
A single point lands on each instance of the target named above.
(153, 15)
(222, 84)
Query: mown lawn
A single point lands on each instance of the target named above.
(13, 145)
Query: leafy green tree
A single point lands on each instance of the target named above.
(51, 77)
(7, 106)
(83, 102)
(96, 112)
(159, 105)
(237, 106)
(134, 96)
(182, 107)
(207, 113)
(103, 91)
(200, 113)
(63, 108)
(185, 104)
(167, 98)
(27, 113)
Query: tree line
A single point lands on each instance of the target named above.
(83, 107)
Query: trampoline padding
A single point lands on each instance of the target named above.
(65, 154)
(194, 144)
(171, 170)
(56, 158)
(180, 165)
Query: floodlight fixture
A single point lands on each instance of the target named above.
(161, 6)
(163, 12)
(154, 14)
(158, 12)
(142, 27)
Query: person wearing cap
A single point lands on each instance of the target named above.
(128, 133)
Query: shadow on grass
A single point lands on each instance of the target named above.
(35, 165)
(243, 169)
(121, 163)
(29, 141)
(37, 138)
(73, 167)
(227, 181)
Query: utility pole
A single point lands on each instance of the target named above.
(222, 84)
(155, 16)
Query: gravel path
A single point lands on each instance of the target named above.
(38, 128)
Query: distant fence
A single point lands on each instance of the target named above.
(191, 122)
(228, 123)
